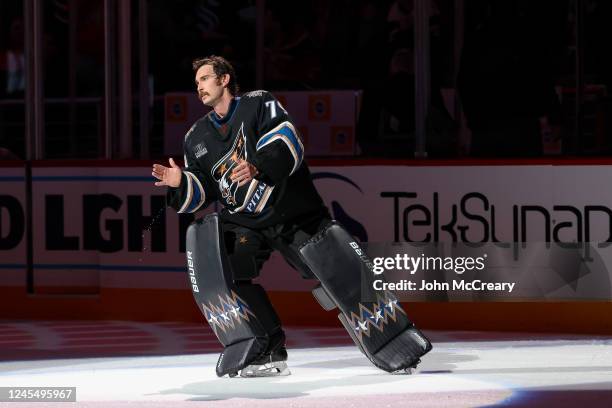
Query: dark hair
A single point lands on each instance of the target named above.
(220, 66)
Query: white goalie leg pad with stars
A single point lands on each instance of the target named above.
(240, 315)
(379, 326)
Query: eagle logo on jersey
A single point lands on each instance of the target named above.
(222, 171)
(251, 197)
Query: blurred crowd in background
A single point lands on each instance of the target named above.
(511, 75)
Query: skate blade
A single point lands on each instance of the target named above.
(273, 369)
(407, 371)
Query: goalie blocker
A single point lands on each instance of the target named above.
(381, 329)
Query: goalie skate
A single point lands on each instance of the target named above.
(271, 369)
(273, 364)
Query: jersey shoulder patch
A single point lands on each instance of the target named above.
(255, 94)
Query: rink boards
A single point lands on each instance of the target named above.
(93, 257)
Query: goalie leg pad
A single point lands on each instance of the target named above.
(323, 298)
(380, 328)
(240, 315)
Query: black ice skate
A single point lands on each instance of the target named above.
(273, 364)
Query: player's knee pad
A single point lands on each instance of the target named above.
(240, 315)
(380, 328)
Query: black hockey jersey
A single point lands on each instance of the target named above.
(257, 129)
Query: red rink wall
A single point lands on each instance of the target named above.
(89, 261)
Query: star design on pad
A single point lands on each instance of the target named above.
(378, 315)
(243, 240)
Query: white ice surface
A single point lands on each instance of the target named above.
(453, 366)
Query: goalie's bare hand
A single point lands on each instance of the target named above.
(168, 176)
(243, 173)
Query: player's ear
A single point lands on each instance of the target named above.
(225, 79)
